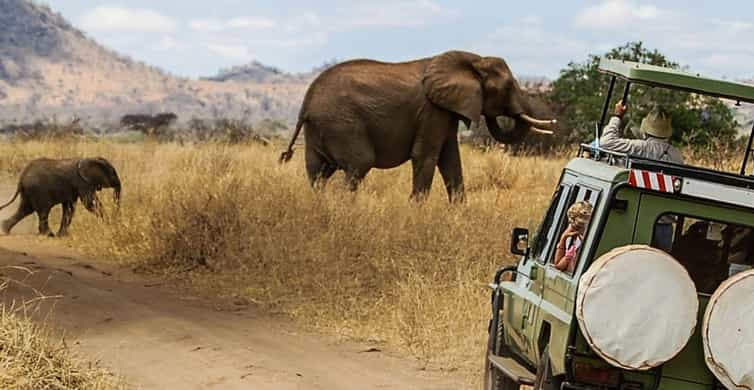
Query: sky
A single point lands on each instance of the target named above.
(194, 38)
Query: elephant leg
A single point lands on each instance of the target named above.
(424, 172)
(425, 153)
(318, 169)
(65, 221)
(351, 149)
(355, 176)
(357, 165)
(44, 224)
(24, 209)
(450, 169)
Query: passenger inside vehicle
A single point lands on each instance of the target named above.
(710, 251)
(741, 253)
(569, 245)
(701, 256)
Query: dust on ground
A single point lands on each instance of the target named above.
(159, 338)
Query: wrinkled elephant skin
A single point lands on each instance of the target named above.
(365, 114)
(45, 183)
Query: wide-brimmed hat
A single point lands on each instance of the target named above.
(657, 124)
(579, 214)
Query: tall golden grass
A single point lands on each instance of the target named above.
(369, 265)
(32, 357)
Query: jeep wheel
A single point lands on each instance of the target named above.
(493, 379)
(545, 380)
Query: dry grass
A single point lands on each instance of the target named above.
(33, 358)
(371, 265)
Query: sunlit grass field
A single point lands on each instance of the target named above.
(370, 265)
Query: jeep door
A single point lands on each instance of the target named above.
(522, 304)
(555, 311)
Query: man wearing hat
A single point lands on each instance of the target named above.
(655, 129)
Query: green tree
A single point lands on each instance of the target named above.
(579, 92)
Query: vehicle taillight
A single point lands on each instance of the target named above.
(599, 376)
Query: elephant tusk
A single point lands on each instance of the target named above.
(541, 131)
(546, 124)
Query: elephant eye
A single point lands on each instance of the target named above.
(495, 86)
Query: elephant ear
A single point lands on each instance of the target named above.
(451, 82)
(92, 171)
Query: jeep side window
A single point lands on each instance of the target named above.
(549, 225)
(711, 251)
(571, 250)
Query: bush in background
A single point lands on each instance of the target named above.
(579, 92)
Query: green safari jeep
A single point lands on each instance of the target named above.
(535, 338)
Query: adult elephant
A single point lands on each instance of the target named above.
(365, 114)
(45, 183)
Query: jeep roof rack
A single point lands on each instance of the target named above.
(677, 79)
(658, 76)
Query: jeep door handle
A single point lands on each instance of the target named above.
(534, 272)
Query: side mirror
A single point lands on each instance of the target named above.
(520, 241)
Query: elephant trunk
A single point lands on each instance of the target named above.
(523, 124)
(510, 136)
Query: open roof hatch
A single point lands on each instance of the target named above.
(658, 76)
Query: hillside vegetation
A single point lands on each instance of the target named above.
(50, 68)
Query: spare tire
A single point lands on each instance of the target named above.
(637, 307)
(728, 332)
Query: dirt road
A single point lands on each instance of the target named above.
(159, 338)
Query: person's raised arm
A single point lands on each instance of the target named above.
(611, 139)
(561, 260)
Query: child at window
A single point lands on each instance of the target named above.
(579, 215)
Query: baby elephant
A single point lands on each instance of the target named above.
(46, 182)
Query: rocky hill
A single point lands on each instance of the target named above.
(254, 71)
(49, 68)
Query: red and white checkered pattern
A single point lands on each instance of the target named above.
(651, 180)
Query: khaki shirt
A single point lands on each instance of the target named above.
(651, 148)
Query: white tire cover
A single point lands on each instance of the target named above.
(637, 307)
(728, 332)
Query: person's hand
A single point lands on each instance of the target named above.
(620, 109)
(568, 233)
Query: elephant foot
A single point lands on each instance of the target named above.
(5, 227)
(419, 197)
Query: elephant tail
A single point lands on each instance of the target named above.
(288, 154)
(18, 191)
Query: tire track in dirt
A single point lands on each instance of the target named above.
(160, 338)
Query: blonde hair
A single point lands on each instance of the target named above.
(579, 214)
